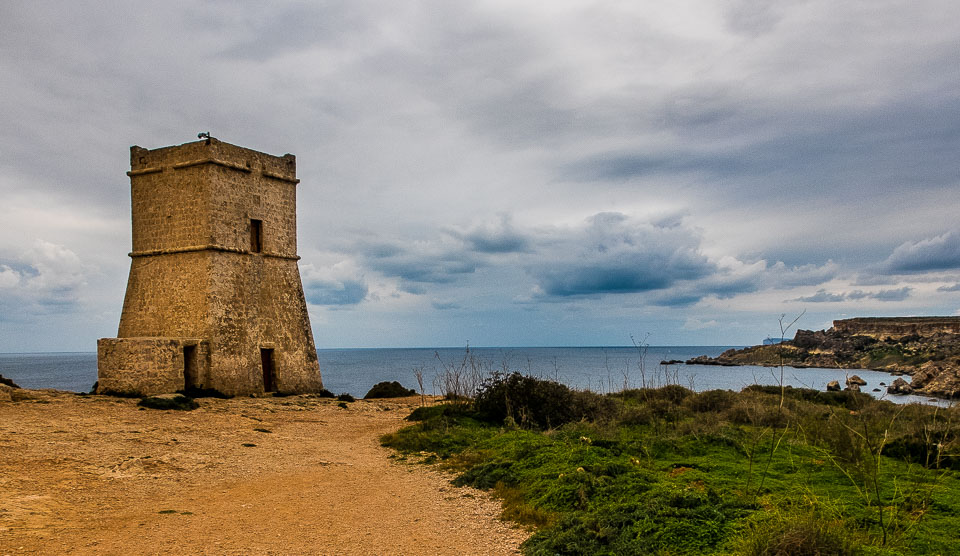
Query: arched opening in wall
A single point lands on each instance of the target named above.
(189, 367)
(269, 370)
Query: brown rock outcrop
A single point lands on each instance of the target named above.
(928, 348)
(900, 386)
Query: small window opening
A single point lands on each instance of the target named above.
(256, 235)
(269, 371)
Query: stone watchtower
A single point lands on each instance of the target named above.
(214, 298)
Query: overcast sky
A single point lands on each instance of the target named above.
(504, 173)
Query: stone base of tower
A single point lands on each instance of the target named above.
(148, 366)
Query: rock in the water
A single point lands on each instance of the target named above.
(877, 390)
(900, 386)
(856, 380)
(833, 386)
(853, 387)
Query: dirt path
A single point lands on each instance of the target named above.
(96, 475)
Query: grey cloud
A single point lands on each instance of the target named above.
(937, 253)
(277, 29)
(892, 295)
(45, 278)
(823, 296)
(495, 239)
(832, 151)
(780, 276)
(420, 263)
(431, 269)
(612, 254)
(953, 288)
(333, 292)
(444, 305)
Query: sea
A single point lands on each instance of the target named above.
(601, 369)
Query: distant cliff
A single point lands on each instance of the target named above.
(927, 348)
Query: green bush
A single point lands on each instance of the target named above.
(427, 412)
(804, 535)
(672, 393)
(713, 401)
(538, 403)
(389, 390)
(345, 397)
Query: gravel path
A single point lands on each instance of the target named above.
(96, 475)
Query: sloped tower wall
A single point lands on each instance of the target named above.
(213, 277)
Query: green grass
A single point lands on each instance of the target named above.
(673, 472)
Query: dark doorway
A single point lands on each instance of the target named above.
(256, 236)
(269, 374)
(189, 367)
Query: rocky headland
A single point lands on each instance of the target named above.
(927, 349)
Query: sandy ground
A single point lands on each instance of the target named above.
(96, 475)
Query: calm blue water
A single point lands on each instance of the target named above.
(602, 369)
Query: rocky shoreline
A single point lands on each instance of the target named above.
(931, 360)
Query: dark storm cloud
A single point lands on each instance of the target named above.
(613, 254)
(937, 253)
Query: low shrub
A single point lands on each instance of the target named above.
(844, 398)
(389, 390)
(713, 401)
(672, 393)
(178, 402)
(345, 397)
(324, 393)
(537, 403)
(798, 536)
(425, 413)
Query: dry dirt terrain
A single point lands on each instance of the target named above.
(294, 475)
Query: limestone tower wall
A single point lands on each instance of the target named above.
(214, 298)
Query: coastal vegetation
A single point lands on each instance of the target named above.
(666, 470)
